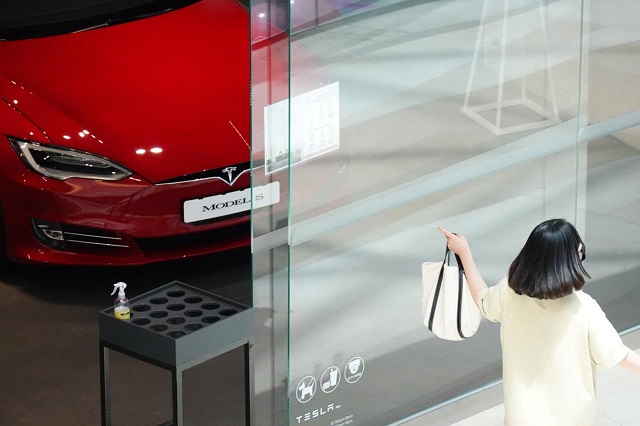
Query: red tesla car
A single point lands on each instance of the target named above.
(124, 130)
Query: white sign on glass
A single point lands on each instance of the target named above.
(314, 127)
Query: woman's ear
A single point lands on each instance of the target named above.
(582, 251)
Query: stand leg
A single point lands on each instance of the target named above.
(176, 375)
(105, 385)
(248, 384)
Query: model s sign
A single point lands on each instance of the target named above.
(230, 203)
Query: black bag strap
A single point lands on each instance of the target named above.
(436, 295)
(460, 291)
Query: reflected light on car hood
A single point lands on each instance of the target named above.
(165, 96)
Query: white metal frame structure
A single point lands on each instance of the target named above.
(549, 113)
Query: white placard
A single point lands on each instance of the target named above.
(309, 128)
(230, 203)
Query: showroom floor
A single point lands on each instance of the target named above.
(49, 346)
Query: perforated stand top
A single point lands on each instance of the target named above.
(177, 324)
(176, 327)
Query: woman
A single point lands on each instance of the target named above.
(553, 335)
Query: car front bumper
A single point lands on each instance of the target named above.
(128, 222)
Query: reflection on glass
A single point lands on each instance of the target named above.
(513, 60)
(484, 117)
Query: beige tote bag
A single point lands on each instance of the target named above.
(448, 309)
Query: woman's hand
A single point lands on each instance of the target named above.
(459, 245)
(456, 243)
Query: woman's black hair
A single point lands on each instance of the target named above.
(549, 265)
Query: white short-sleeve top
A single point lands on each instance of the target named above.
(550, 352)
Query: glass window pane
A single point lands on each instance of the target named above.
(484, 117)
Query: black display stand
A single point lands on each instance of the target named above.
(176, 327)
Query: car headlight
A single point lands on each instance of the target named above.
(64, 163)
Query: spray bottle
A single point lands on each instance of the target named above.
(121, 306)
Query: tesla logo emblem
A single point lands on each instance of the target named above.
(229, 171)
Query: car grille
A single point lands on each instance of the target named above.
(97, 241)
(195, 239)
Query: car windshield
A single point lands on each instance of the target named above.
(20, 19)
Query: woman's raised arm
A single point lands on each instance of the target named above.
(459, 245)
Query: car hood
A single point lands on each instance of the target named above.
(165, 96)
